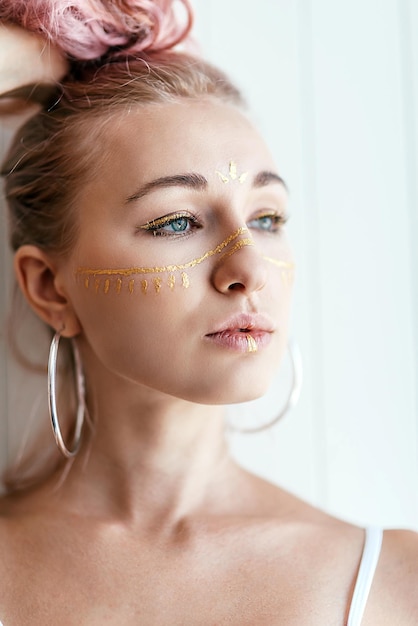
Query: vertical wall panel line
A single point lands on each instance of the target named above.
(409, 75)
(312, 216)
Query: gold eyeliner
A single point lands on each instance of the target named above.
(163, 221)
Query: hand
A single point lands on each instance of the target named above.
(26, 58)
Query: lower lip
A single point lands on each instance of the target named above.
(237, 340)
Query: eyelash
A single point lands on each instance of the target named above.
(278, 220)
(157, 226)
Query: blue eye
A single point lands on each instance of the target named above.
(174, 224)
(178, 225)
(269, 222)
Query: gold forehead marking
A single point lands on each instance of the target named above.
(171, 281)
(165, 268)
(233, 174)
(185, 280)
(144, 286)
(131, 286)
(118, 285)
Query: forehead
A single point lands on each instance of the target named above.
(184, 136)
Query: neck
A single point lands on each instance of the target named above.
(152, 461)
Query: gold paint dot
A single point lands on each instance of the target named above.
(118, 285)
(131, 286)
(107, 285)
(185, 280)
(157, 284)
(144, 286)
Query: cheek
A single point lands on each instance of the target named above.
(108, 284)
(130, 321)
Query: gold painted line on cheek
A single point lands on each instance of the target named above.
(131, 286)
(144, 286)
(107, 285)
(96, 285)
(282, 264)
(185, 280)
(118, 285)
(242, 243)
(87, 282)
(286, 270)
(165, 268)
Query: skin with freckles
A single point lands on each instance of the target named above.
(177, 293)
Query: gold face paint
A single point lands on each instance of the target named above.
(251, 344)
(157, 284)
(116, 286)
(287, 270)
(233, 174)
(237, 246)
(121, 273)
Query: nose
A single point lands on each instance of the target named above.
(240, 269)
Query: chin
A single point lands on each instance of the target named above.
(236, 393)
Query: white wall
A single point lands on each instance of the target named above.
(333, 86)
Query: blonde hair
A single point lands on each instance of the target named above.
(57, 150)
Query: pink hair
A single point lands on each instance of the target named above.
(89, 29)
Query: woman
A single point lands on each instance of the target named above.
(147, 218)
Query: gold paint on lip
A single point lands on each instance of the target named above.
(251, 343)
(165, 268)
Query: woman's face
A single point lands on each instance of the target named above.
(181, 275)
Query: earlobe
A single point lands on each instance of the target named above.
(36, 274)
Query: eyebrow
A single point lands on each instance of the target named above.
(191, 181)
(198, 182)
(267, 178)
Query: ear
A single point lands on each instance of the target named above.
(37, 277)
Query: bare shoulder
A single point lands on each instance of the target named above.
(394, 598)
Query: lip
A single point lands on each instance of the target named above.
(233, 332)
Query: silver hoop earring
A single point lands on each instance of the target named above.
(294, 394)
(81, 405)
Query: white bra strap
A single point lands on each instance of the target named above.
(371, 552)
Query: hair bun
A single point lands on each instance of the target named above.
(90, 29)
